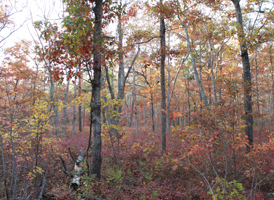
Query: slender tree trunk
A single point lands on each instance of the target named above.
(163, 92)
(257, 95)
(84, 113)
(144, 112)
(80, 107)
(221, 71)
(132, 109)
(55, 108)
(65, 110)
(152, 112)
(127, 105)
(198, 80)
(246, 75)
(272, 91)
(74, 111)
(168, 100)
(96, 87)
(4, 170)
(211, 67)
(135, 105)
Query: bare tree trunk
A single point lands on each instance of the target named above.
(96, 87)
(55, 108)
(74, 111)
(135, 104)
(152, 112)
(65, 109)
(84, 113)
(272, 91)
(198, 80)
(246, 75)
(168, 102)
(257, 95)
(221, 71)
(127, 105)
(4, 170)
(163, 93)
(211, 67)
(80, 107)
(144, 112)
(132, 110)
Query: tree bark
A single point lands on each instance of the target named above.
(163, 93)
(211, 67)
(96, 87)
(80, 107)
(65, 109)
(135, 104)
(74, 111)
(198, 80)
(272, 91)
(246, 75)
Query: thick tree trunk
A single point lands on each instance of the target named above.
(96, 87)
(121, 72)
(163, 92)
(246, 75)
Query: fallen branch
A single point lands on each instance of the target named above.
(42, 189)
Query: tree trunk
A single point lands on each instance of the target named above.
(135, 104)
(257, 96)
(152, 112)
(56, 119)
(168, 102)
(211, 68)
(163, 93)
(96, 87)
(74, 111)
(80, 107)
(246, 75)
(65, 110)
(132, 108)
(272, 91)
(198, 80)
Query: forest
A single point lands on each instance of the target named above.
(138, 99)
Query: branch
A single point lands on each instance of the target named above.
(71, 155)
(65, 170)
(175, 77)
(132, 63)
(147, 40)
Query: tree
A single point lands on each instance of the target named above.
(163, 93)
(246, 74)
(96, 89)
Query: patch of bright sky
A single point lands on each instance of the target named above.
(30, 11)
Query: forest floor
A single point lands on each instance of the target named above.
(133, 168)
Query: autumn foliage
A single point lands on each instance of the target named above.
(47, 102)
